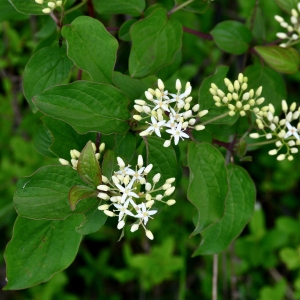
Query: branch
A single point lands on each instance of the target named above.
(205, 36)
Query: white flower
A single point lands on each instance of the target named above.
(177, 133)
(292, 131)
(123, 209)
(155, 126)
(126, 191)
(144, 214)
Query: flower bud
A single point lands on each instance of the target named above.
(150, 203)
(196, 107)
(167, 143)
(148, 95)
(109, 213)
(148, 169)
(149, 235)
(59, 3)
(202, 113)
(51, 5)
(148, 186)
(169, 191)
(170, 180)
(134, 227)
(284, 106)
(121, 224)
(160, 84)
(171, 202)
(178, 85)
(281, 157)
(64, 162)
(39, 1)
(254, 135)
(103, 187)
(273, 152)
(199, 127)
(103, 196)
(166, 186)
(103, 207)
(159, 197)
(156, 178)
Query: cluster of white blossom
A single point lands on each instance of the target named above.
(170, 112)
(237, 99)
(293, 29)
(75, 155)
(284, 134)
(49, 6)
(129, 193)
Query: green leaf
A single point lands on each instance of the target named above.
(290, 257)
(47, 67)
(126, 7)
(273, 84)
(94, 220)
(284, 60)
(124, 31)
(29, 7)
(88, 166)
(39, 249)
(232, 37)
(8, 12)
(125, 146)
(287, 5)
(79, 192)
(206, 101)
(109, 163)
(86, 106)
(239, 208)
(161, 39)
(199, 7)
(91, 47)
(208, 187)
(65, 138)
(163, 159)
(133, 88)
(42, 141)
(44, 194)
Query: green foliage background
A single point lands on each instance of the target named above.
(263, 263)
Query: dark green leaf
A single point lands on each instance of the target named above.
(287, 5)
(47, 67)
(274, 89)
(238, 211)
(8, 12)
(94, 220)
(161, 40)
(88, 166)
(126, 7)
(42, 141)
(44, 194)
(208, 186)
(109, 164)
(79, 192)
(232, 37)
(199, 7)
(39, 249)
(86, 106)
(285, 60)
(124, 31)
(125, 146)
(91, 47)
(65, 138)
(29, 7)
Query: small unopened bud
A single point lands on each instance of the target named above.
(281, 157)
(148, 169)
(64, 162)
(167, 143)
(169, 191)
(103, 187)
(149, 235)
(59, 3)
(236, 85)
(150, 203)
(148, 197)
(103, 196)
(227, 81)
(273, 152)
(281, 35)
(170, 180)
(240, 77)
(199, 127)
(140, 161)
(148, 95)
(140, 102)
(202, 113)
(166, 186)
(109, 213)
(121, 224)
(196, 107)
(160, 84)
(254, 135)
(156, 178)
(278, 18)
(134, 227)
(244, 86)
(103, 207)
(148, 186)
(144, 133)
(284, 106)
(159, 197)
(51, 5)
(178, 85)
(39, 1)
(171, 202)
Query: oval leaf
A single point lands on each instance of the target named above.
(158, 47)
(47, 67)
(86, 106)
(39, 249)
(285, 60)
(91, 47)
(208, 187)
(44, 194)
(238, 211)
(232, 37)
(88, 166)
(126, 7)
(79, 192)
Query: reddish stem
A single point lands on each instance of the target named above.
(205, 36)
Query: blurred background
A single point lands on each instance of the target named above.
(263, 263)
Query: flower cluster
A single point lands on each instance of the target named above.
(281, 130)
(170, 112)
(293, 29)
(75, 155)
(129, 193)
(238, 100)
(50, 5)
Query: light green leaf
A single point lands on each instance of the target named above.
(274, 89)
(79, 192)
(47, 67)
(44, 194)
(88, 166)
(29, 7)
(91, 47)
(238, 211)
(94, 220)
(208, 187)
(284, 60)
(155, 41)
(232, 37)
(126, 7)
(290, 257)
(39, 249)
(86, 106)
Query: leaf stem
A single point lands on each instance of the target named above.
(76, 7)
(215, 118)
(261, 143)
(205, 36)
(176, 8)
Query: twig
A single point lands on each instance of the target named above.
(277, 277)
(205, 36)
(215, 277)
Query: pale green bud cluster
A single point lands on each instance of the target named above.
(293, 29)
(75, 155)
(281, 130)
(237, 98)
(49, 6)
(130, 193)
